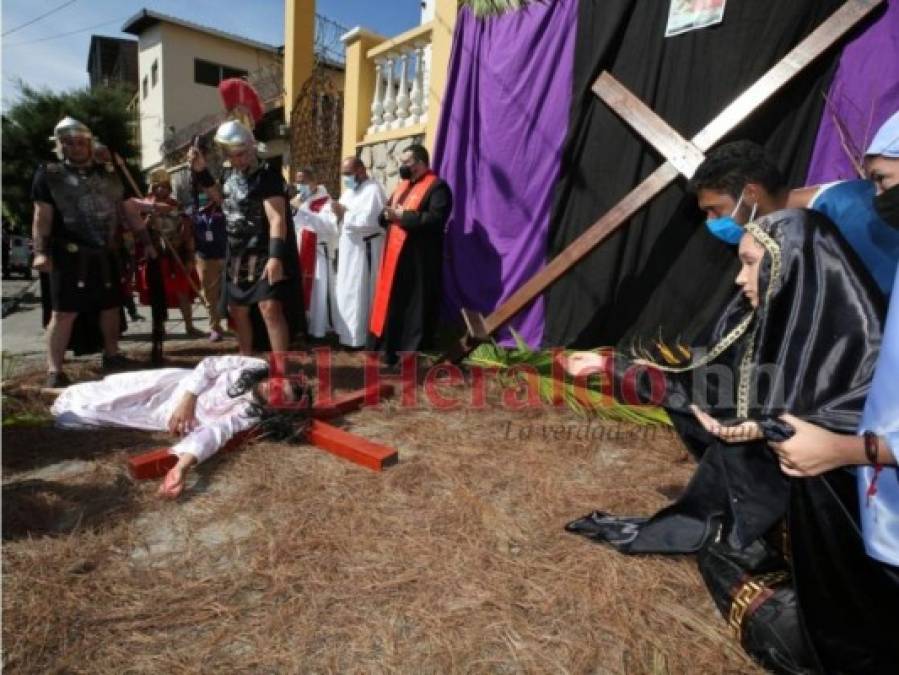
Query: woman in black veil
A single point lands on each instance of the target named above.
(802, 337)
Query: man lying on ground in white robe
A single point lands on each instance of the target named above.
(206, 406)
(311, 204)
(361, 240)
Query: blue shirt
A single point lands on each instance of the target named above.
(209, 233)
(880, 512)
(850, 206)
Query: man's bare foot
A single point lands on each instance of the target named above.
(583, 363)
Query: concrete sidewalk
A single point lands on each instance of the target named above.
(24, 339)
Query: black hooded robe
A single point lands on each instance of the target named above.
(810, 348)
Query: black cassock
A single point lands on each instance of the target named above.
(414, 305)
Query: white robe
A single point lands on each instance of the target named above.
(322, 315)
(361, 241)
(146, 399)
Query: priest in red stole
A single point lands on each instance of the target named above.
(407, 297)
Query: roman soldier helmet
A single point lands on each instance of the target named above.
(69, 127)
(159, 177)
(234, 136)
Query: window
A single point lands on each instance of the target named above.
(206, 72)
(146, 86)
(228, 73)
(154, 72)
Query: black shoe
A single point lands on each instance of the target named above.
(56, 380)
(136, 317)
(116, 362)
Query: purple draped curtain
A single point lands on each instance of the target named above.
(504, 118)
(863, 94)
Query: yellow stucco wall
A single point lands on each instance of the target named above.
(359, 87)
(445, 13)
(299, 38)
(360, 78)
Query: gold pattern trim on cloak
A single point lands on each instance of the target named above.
(746, 362)
(739, 330)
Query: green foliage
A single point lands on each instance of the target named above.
(16, 413)
(26, 419)
(28, 125)
(482, 8)
(589, 401)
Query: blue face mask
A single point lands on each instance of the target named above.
(349, 182)
(303, 191)
(726, 228)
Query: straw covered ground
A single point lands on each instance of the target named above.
(286, 559)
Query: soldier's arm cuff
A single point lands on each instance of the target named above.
(204, 178)
(277, 248)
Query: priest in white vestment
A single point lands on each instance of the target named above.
(361, 241)
(312, 203)
(206, 406)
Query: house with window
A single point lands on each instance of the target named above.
(112, 62)
(180, 65)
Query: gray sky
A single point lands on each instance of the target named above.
(60, 62)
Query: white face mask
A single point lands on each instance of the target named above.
(755, 207)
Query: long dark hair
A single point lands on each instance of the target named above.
(278, 423)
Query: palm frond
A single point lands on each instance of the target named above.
(482, 8)
(587, 400)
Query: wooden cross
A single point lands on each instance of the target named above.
(156, 463)
(682, 158)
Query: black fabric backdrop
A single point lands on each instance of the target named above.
(662, 273)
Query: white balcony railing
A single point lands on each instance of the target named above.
(401, 80)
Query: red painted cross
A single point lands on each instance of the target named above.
(374, 456)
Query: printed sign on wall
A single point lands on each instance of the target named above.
(687, 15)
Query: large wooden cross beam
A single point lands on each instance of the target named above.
(682, 158)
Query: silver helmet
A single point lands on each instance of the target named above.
(68, 127)
(233, 136)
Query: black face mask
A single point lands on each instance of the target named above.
(887, 206)
(405, 172)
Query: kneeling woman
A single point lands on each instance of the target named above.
(802, 337)
(206, 406)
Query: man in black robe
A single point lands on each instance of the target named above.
(407, 300)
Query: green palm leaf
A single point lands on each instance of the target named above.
(587, 401)
(482, 8)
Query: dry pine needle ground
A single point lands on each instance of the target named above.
(286, 559)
